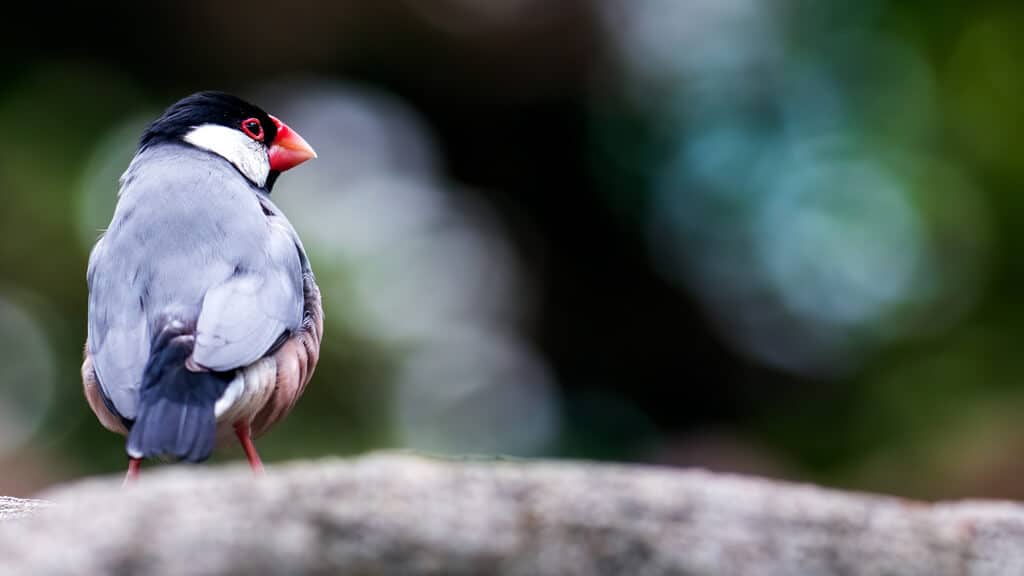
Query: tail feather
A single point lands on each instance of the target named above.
(176, 406)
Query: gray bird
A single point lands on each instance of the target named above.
(204, 314)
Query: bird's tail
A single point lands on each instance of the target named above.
(176, 406)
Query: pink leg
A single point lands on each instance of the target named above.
(134, 465)
(244, 434)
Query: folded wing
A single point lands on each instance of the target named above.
(242, 318)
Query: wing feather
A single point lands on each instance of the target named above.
(244, 317)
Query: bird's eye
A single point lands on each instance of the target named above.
(253, 128)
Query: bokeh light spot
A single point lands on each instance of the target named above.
(26, 375)
(839, 242)
(477, 393)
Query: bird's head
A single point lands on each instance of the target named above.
(258, 144)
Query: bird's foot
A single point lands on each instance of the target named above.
(134, 465)
(244, 433)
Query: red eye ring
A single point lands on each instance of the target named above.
(253, 128)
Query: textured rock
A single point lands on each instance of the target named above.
(401, 514)
(11, 508)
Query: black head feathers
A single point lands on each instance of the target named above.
(209, 107)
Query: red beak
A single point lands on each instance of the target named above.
(289, 149)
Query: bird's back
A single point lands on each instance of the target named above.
(185, 224)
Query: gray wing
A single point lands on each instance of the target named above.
(118, 335)
(242, 318)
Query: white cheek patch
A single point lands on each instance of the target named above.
(248, 155)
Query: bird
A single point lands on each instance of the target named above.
(204, 315)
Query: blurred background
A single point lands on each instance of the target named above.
(775, 238)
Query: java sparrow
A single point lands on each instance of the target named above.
(204, 314)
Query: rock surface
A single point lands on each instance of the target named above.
(11, 508)
(404, 514)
